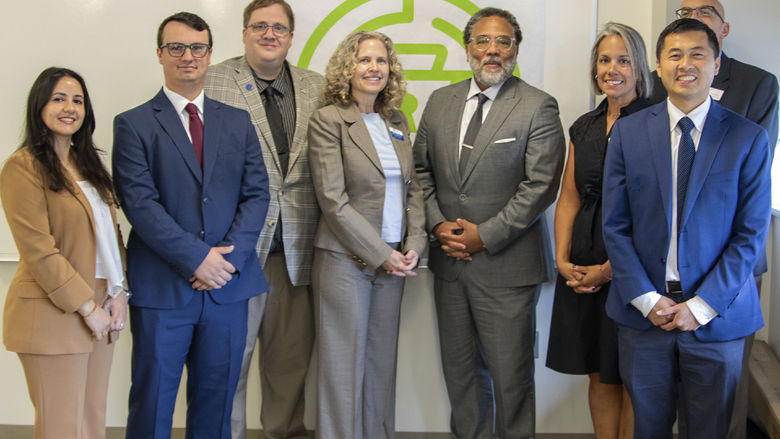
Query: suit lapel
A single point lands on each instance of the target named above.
(452, 129)
(402, 151)
(709, 144)
(661, 147)
(246, 83)
(358, 133)
(506, 100)
(301, 90)
(212, 126)
(171, 123)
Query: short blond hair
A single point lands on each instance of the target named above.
(341, 67)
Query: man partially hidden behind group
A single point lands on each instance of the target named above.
(489, 153)
(279, 98)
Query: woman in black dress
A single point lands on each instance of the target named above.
(582, 337)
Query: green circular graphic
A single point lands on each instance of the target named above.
(437, 71)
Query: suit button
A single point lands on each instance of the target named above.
(205, 200)
(409, 181)
(271, 223)
(201, 233)
(462, 197)
(408, 209)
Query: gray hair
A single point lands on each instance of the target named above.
(635, 46)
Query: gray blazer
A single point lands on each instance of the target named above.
(350, 186)
(512, 176)
(296, 204)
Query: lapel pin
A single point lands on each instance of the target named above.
(249, 86)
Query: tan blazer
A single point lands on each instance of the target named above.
(292, 198)
(55, 236)
(350, 185)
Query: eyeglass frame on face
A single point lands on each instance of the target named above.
(707, 9)
(261, 28)
(486, 41)
(193, 47)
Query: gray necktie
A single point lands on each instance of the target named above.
(471, 135)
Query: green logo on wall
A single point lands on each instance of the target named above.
(437, 72)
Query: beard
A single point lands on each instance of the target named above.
(490, 79)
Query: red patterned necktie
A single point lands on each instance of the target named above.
(196, 131)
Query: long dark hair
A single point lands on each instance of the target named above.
(38, 138)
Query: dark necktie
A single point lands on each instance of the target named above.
(685, 155)
(471, 135)
(196, 131)
(274, 115)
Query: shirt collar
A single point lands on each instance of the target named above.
(282, 83)
(490, 92)
(179, 101)
(698, 115)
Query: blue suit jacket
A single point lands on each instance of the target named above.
(725, 217)
(177, 211)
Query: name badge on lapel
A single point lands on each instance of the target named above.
(395, 132)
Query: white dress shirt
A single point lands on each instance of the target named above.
(179, 102)
(471, 107)
(645, 303)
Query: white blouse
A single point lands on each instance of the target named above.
(108, 264)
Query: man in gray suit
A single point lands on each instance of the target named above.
(279, 98)
(489, 153)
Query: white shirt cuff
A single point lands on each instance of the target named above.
(646, 302)
(701, 310)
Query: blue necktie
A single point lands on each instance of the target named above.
(685, 155)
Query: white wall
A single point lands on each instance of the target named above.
(422, 403)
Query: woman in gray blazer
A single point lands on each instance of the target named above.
(369, 238)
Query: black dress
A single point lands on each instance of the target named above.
(582, 337)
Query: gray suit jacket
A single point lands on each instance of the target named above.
(350, 186)
(512, 176)
(295, 202)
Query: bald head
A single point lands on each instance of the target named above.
(715, 20)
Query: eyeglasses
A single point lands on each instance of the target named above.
(482, 42)
(176, 50)
(277, 29)
(702, 11)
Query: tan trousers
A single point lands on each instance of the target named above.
(69, 392)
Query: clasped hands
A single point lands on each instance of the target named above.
(214, 272)
(670, 315)
(112, 316)
(585, 279)
(459, 239)
(401, 265)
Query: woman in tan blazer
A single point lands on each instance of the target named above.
(69, 291)
(369, 238)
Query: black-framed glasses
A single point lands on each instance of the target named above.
(176, 50)
(701, 11)
(482, 42)
(261, 28)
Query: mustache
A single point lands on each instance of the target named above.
(492, 59)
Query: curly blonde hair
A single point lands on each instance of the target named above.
(341, 67)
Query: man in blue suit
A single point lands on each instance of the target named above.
(686, 212)
(190, 177)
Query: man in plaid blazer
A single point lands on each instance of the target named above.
(279, 98)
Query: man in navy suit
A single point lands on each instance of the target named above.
(190, 177)
(686, 212)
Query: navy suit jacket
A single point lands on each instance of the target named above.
(178, 211)
(725, 217)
